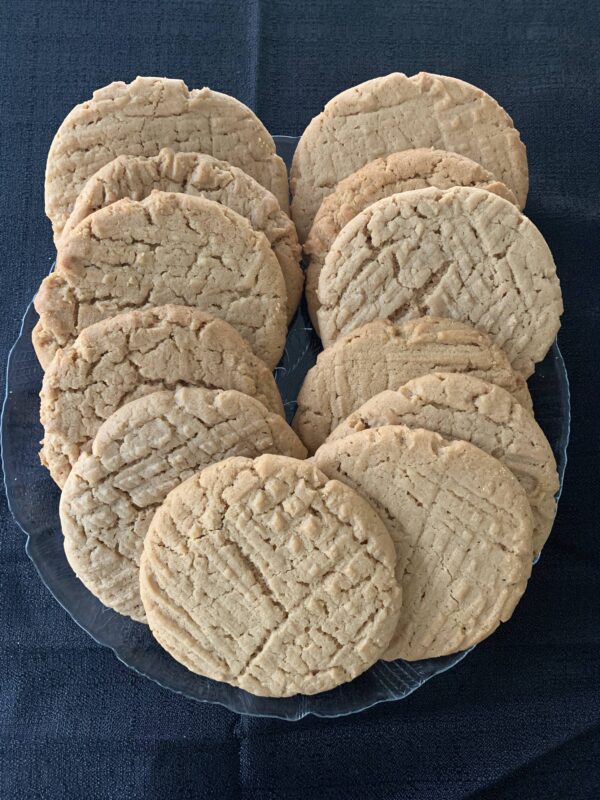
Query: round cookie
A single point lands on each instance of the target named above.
(141, 452)
(383, 356)
(396, 112)
(133, 354)
(398, 172)
(197, 174)
(142, 117)
(167, 248)
(468, 408)
(462, 253)
(264, 574)
(462, 527)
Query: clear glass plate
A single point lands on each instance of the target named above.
(33, 501)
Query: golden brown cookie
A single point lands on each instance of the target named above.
(461, 406)
(462, 253)
(133, 354)
(398, 172)
(396, 112)
(461, 524)
(142, 117)
(168, 248)
(264, 574)
(197, 174)
(382, 356)
(141, 452)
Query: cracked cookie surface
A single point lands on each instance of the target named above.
(398, 172)
(265, 574)
(141, 452)
(168, 248)
(462, 528)
(133, 354)
(397, 112)
(382, 356)
(142, 117)
(468, 408)
(197, 174)
(462, 253)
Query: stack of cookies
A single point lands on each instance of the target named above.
(187, 501)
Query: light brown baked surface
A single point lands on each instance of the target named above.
(398, 172)
(382, 356)
(264, 574)
(142, 117)
(461, 406)
(141, 452)
(197, 174)
(133, 354)
(397, 112)
(462, 253)
(461, 524)
(167, 248)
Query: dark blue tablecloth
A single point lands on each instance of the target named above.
(519, 717)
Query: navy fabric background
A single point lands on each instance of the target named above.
(519, 718)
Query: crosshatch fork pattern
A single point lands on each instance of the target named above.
(33, 500)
